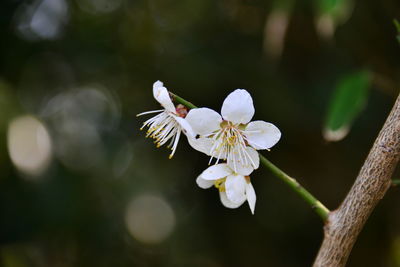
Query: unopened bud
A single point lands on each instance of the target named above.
(181, 110)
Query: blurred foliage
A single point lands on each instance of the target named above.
(397, 24)
(81, 71)
(348, 100)
(335, 8)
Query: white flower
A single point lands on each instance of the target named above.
(232, 136)
(234, 188)
(169, 124)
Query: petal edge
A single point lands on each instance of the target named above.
(204, 121)
(238, 107)
(161, 94)
(262, 135)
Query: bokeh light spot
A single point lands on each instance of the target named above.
(80, 119)
(43, 19)
(149, 219)
(275, 31)
(326, 26)
(29, 145)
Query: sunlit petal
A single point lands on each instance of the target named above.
(227, 203)
(235, 186)
(262, 135)
(202, 144)
(186, 128)
(238, 107)
(203, 183)
(216, 172)
(161, 94)
(204, 120)
(251, 197)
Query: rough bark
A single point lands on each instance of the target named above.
(344, 224)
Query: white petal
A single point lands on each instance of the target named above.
(245, 166)
(262, 135)
(238, 107)
(216, 172)
(162, 96)
(204, 120)
(208, 146)
(235, 187)
(187, 129)
(227, 203)
(251, 197)
(202, 183)
(201, 144)
(254, 157)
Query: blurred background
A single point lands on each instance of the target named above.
(81, 186)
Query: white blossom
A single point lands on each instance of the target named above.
(234, 188)
(232, 136)
(169, 123)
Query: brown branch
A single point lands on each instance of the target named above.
(344, 224)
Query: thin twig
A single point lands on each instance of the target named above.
(319, 208)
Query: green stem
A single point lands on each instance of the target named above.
(315, 204)
(319, 208)
(182, 101)
(396, 182)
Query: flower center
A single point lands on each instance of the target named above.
(230, 143)
(232, 136)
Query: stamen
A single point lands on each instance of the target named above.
(149, 112)
(178, 134)
(162, 128)
(230, 143)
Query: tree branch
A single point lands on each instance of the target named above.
(344, 224)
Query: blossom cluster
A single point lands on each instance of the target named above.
(231, 140)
